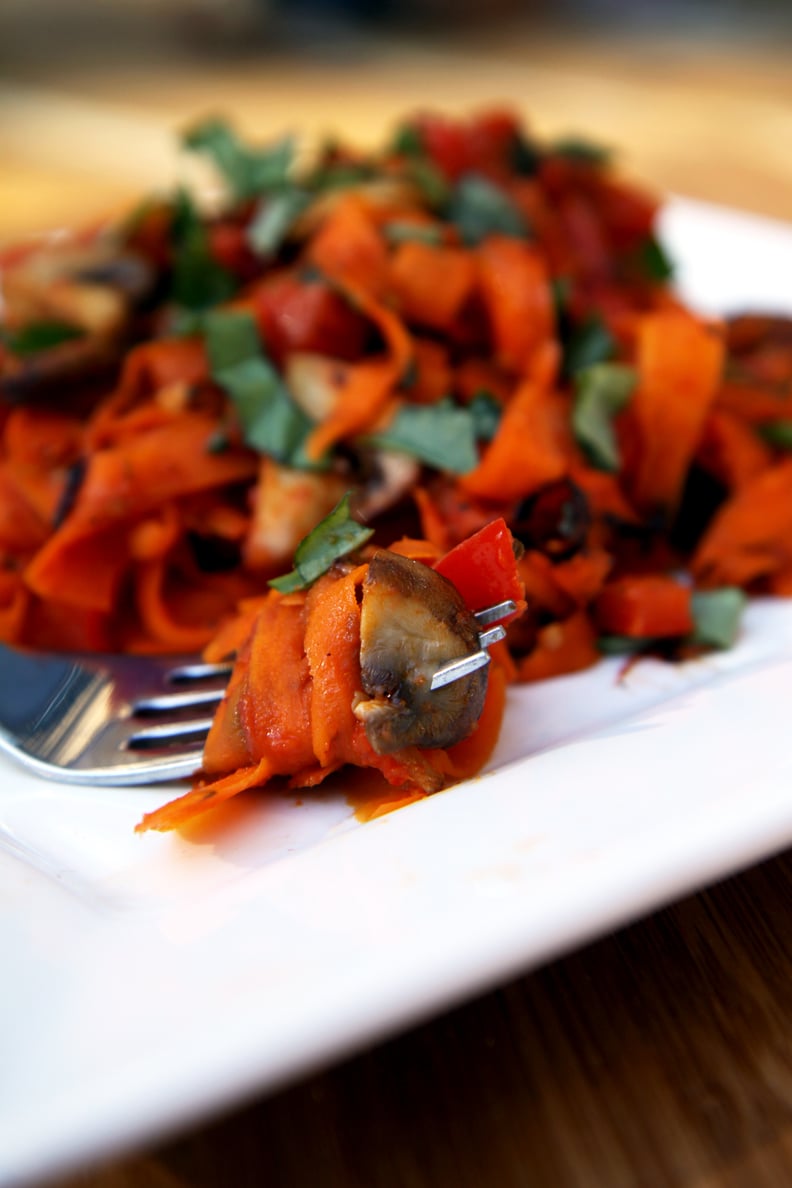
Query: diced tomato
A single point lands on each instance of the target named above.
(645, 607)
(295, 315)
(492, 136)
(446, 144)
(483, 568)
(482, 144)
(229, 247)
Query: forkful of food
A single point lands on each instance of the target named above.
(379, 661)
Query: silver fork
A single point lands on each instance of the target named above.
(124, 720)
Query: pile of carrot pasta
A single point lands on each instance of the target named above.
(465, 325)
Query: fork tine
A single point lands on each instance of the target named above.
(163, 733)
(163, 702)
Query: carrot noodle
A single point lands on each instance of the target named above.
(466, 326)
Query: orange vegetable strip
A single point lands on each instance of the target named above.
(42, 437)
(434, 378)
(680, 361)
(368, 385)
(731, 451)
(647, 606)
(84, 571)
(22, 528)
(205, 797)
(750, 537)
(467, 757)
(431, 284)
(516, 291)
(158, 618)
(120, 484)
(148, 368)
(561, 648)
(528, 449)
(332, 645)
(583, 576)
(349, 248)
(275, 705)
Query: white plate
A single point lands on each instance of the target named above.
(147, 981)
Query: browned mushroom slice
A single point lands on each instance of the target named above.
(93, 290)
(413, 621)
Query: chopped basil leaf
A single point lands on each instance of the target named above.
(601, 391)
(479, 208)
(624, 645)
(525, 157)
(274, 219)
(333, 537)
(716, 616)
(777, 433)
(653, 262)
(486, 413)
(219, 442)
(198, 281)
(442, 435)
(560, 289)
(248, 172)
(429, 182)
(407, 142)
(40, 336)
(589, 343)
(575, 149)
(404, 232)
(271, 422)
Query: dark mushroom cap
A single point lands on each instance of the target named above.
(412, 621)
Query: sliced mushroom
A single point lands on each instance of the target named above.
(95, 288)
(413, 621)
(315, 382)
(393, 476)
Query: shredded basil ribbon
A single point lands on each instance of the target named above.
(40, 336)
(442, 435)
(247, 172)
(601, 391)
(479, 208)
(335, 536)
(271, 421)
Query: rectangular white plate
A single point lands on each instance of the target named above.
(147, 981)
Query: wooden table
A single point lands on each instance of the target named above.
(661, 1055)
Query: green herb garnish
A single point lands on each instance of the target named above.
(585, 151)
(274, 219)
(335, 536)
(589, 343)
(601, 391)
(716, 616)
(442, 435)
(653, 262)
(479, 208)
(429, 181)
(625, 645)
(271, 422)
(40, 336)
(198, 281)
(777, 433)
(407, 141)
(486, 412)
(247, 172)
